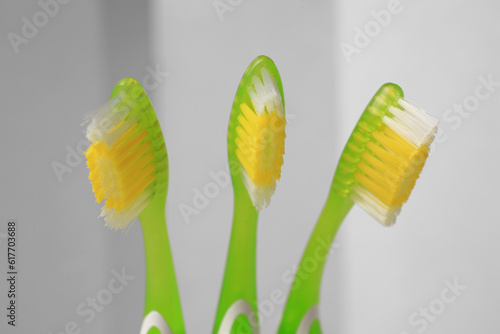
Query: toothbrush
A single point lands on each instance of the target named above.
(256, 144)
(377, 170)
(128, 166)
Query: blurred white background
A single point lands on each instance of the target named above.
(332, 56)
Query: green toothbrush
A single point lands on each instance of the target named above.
(128, 166)
(256, 138)
(377, 170)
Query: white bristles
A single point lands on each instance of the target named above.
(411, 123)
(103, 120)
(265, 94)
(260, 195)
(121, 220)
(112, 137)
(426, 117)
(374, 207)
(100, 112)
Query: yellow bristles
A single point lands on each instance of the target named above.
(120, 173)
(261, 145)
(260, 148)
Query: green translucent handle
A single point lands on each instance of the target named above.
(305, 291)
(238, 298)
(240, 275)
(162, 294)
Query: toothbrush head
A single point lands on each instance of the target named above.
(127, 158)
(385, 154)
(256, 134)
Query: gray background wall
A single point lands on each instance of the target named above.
(376, 279)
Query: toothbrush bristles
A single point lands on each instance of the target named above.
(122, 161)
(261, 136)
(386, 161)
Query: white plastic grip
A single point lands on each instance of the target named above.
(308, 319)
(155, 320)
(239, 307)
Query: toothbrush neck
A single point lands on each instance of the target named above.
(241, 259)
(321, 241)
(239, 281)
(320, 244)
(305, 291)
(161, 286)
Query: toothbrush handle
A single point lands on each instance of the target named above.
(301, 309)
(162, 308)
(238, 299)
